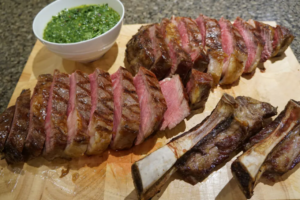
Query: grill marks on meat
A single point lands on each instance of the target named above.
(253, 42)
(35, 140)
(127, 110)
(225, 140)
(282, 39)
(19, 128)
(181, 61)
(191, 41)
(177, 102)
(6, 119)
(102, 112)
(56, 119)
(198, 89)
(79, 109)
(273, 152)
(152, 103)
(233, 67)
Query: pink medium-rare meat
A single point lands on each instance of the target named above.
(282, 39)
(79, 110)
(198, 89)
(19, 128)
(211, 35)
(267, 34)
(253, 41)
(102, 112)
(152, 103)
(56, 119)
(233, 67)
(127, 110)
(35, 140)
(191, 41)
(181, 61)
(177, 102)
(6, 119)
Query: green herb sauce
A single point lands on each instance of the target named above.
(80, 23)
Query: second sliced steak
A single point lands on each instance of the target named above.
(35, 140)
(79, 110)
(6, 119)
(15, 142)
(152, 103)
(127, 110)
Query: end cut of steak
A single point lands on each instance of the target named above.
(56, 119)
(79, 110)
(191, 41)
(253, 41)
(181, 61)
(282, 39)
(127, 110)
(148, 49)
(19, 128)
(177, 103)
(6, 119)
(198, 89)
(152, 103)
(35, 140)
(233, 67)
(102, 112)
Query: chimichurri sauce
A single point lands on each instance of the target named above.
(80, 23)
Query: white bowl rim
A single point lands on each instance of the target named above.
(70, 44)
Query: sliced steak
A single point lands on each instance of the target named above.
(177, 102)
(253, 41)
(211, 35)
(102, 112)
(181, 61)
(19, 128)
(152, 103)
(36, 137)
(147, 48)
(79, 110)
(233, 67)
(127, 110)
(6, 119)
(191, 41)
(198, 89)
(56, 119)
(267, 33)
(282, 39)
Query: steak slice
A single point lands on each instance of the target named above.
(225, 140)
(282, 39)
(56, 119)
(19, 128)
(6, 119)
(147, 48)
(198, 89)
(36, 137)
(253, 41)
(233, 67)
(267, 34)
(152, 103)
(181, 61)
(191, 41)
(127, 110)
(79, 110)
(102, 112)
(177, 102)
(211, 35)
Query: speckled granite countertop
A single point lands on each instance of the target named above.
(17, 39)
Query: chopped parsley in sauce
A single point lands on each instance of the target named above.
(80, 23)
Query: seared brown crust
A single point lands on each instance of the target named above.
(19, 129)
(213, 34)
(285, 40)
(6, 119)
(35, 140)
(240, 42)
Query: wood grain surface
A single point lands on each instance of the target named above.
(109, 176)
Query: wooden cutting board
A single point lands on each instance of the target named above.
(109, 176)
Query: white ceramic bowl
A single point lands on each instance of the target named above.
(84, 51)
